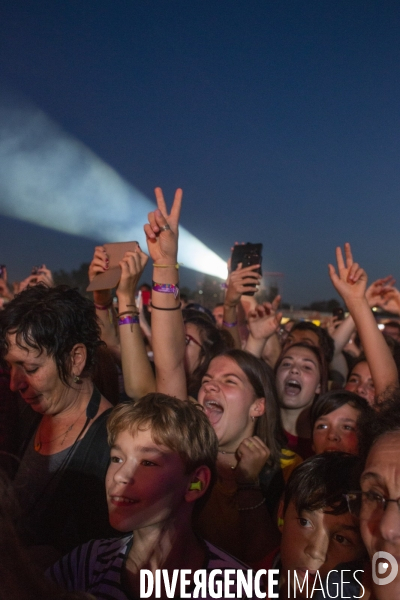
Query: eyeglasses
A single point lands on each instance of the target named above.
(369, 505)
(189, 338)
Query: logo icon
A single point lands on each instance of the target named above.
(383, 567)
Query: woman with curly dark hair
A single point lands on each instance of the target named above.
(48, 339)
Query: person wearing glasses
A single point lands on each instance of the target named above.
(377, 505)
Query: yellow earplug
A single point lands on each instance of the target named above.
(197, 485)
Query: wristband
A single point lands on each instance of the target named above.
(225, 324)
(128, 312)
(103, 306)
(166, 288)
(163, 308)
(167, 266)
(128, 320)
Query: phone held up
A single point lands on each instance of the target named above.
(247, 254)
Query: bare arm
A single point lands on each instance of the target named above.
(138, 374)
(103, 304)
(350, 282)
(168, 333)
(238, 282)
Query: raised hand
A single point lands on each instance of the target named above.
(264, 320)
(376, 293)
(238, 283)
(44, 275)
(252, 455)
(5, 291)
(162, 229)
(391, 300)
(132, 267)
(100, 262)
(351, 280)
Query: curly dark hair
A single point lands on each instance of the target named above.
(51, 320)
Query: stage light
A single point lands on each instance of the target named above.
(50, 179)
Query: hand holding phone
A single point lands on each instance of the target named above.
(248, 255)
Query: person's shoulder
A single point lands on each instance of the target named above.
(109, 548)
(219, 559)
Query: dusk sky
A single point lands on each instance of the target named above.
(279, 119)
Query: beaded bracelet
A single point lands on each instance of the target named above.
(225, 324)
(129, 320)
(253, 507)
(163, 308)
(166, 288)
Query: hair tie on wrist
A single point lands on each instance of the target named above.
(176, 265)
(128, 312)
(163, 308)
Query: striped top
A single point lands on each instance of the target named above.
(97, 567)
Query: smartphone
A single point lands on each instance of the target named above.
(110, 278)
(247, 254)
(2, 267)
(338, 313)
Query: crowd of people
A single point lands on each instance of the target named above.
(166, 436)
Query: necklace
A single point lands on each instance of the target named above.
(226, 452)
(38, 445)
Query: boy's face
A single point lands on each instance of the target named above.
(317, 541)
(145, 482)
(337, 431)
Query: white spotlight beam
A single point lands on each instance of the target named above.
(50, 179)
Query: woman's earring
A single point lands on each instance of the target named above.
(77, 379)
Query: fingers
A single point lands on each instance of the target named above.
(276, 302)
(253, 445)
(352, 272)
(332, 273)
(160, 201)
(359, 274)
(176, 208)
(150, 234)
(133, 263)
(348, 254)
(339, 259)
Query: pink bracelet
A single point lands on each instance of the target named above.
(128, 320)
(103, 307)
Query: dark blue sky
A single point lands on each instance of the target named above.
(280, 120)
